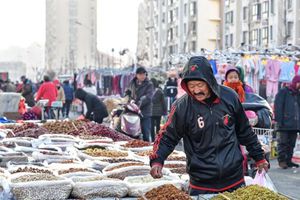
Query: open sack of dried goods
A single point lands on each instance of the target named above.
(95, 188)
(165, 192)
(136, 145)
(18, 141)
(17, 157)
(29, 169)
(4, 186)
(250, 192)
(102, 153)
(63, 127)
(139, 185)
(43, 155)
(121, 165)
(73, 170)
(176, 167)
(124, 172)
(39, 186)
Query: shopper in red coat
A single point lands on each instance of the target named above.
(47, 91)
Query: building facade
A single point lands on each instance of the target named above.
(261, 24)
(179, 26)
(71, 35)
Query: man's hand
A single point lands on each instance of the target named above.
(263, 165)
(156, 171)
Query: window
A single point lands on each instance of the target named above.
(272, 6)
(193, 8)
(271, 32)
(176, 31)
(290, 29)
(171, 49)
(185, 10)
(245, 36)
(231, 40)
(254, 37)
(227, 3)
(156, 36)
(194, 27)
(170, 2)
(170, 34)
(163, 2)
(156, 20)
(245, 13)
(226, 40)
(170, 17)
(163, 17)
(229, 17)
(264, 35)
(289, 4)
(256, 11)
(193, 46)
(265, 7)
(184, 28)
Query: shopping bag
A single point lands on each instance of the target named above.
(263, 179)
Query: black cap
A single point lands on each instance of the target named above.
(141, 70)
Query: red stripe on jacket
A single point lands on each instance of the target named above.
(160, 134)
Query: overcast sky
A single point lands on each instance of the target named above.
(22, 22)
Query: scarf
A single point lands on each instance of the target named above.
(238, 88)
(293, 85)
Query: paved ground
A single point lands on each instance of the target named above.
(286, 181)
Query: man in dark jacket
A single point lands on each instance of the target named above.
(159, 108)
(27, 91)
(287, 116)
(141, 91)
(69, 94)
(96, 109)
(212, 123)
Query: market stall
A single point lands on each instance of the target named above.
(85, 160)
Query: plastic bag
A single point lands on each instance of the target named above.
(99, 189)
(5, 189)
(139, 185)
(264, 180)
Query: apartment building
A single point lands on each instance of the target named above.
(71, 35)
(261, 23)
(179, 26)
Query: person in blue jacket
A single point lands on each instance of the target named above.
(69, 96)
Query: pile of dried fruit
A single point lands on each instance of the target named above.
(23, 127)
(96, 129)
(34, 177)
(145, 153)
(31, 170)
(32, 132)
(180, 170)
(104, 153)
(72, 170)
(136, 143)
(63, 126)
(250, 192)
(134, 172)
(119, 160)
(174, 165)
(166, 192)
(125, 165)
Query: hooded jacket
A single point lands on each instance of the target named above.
(93, 103)
(211, 133)
(142, 95)
(287, 107)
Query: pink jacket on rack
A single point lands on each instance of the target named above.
(273, 70)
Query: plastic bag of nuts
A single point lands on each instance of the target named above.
(99, 189)
(116, 166)
(166, 192)
(139, 185)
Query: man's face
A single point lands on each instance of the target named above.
(199, 89)
(141, 77)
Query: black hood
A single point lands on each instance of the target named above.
(198, 68)
(80, 94)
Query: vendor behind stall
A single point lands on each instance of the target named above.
(96, 109)
(211, 120)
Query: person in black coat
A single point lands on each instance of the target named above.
(96, 109)
(212, 123)
(141, 91)
(287, 116)
(159, 108)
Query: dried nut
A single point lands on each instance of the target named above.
(104, 153)
(165, 192)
